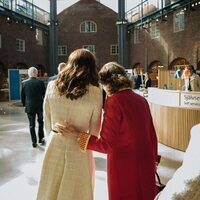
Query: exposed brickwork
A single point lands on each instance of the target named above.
(68, 34)
(34, 54)
(69, 29)
(170, 45)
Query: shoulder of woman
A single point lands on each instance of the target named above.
(95, 89)
(51, 85)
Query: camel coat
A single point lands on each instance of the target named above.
(67, 173)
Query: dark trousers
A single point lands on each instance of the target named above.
(31, 118)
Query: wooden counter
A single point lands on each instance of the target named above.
(174, 113)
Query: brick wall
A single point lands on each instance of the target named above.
(34, 54)
(69, 29)
(169, 46)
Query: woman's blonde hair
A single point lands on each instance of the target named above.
(114, 77)
(80, 71)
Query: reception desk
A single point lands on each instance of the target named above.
(174, 113)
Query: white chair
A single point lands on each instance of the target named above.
(189, 171)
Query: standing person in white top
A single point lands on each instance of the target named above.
(194, 79)
(61, 66)
(74, 97)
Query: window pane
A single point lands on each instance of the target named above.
(39, 36)
(20, 45)
(179, 21)
(114, 50)
(89, 47)
(155, 32)
(62, 50)
(136, 36)
(88, 26)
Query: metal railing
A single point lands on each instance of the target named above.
(156, 8)
(149, 10)
(26, 9)
(147, 7)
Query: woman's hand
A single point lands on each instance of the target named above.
(66, 129)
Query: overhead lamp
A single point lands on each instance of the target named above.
(48, 23)
(8, 20)
(143, 26)
(56, 22)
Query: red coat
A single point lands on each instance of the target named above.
(128, 138)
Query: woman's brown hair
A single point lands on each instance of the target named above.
(80, 71)
(114, 77)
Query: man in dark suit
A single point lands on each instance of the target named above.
(147, 82)
(32, 95)
(60, 67)
(136, 78)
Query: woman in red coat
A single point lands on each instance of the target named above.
(127, 137)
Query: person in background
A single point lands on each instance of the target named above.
(136, 78)
(76, 97)
(186, 76)
(194, 79)
(127, 137)
(142, 77)
(61, 66)
(32, 95)
(147, 80)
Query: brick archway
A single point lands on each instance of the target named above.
(181, 62)
(153, 71)
(20, 66)
(41, 70)
(137, 65)
(153, 67)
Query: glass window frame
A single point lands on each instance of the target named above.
(136, 36)
(61, 49)
(39, 36)
(179, 21)
(20, 45)
(114, 49)
(88, 27)
(89, 47)
(154, 30)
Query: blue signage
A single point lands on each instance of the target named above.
(14, 84)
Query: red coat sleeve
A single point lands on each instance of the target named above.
(109, 138)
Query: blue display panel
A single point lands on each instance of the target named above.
(14, 84)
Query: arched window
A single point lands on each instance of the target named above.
(153, 67)
(181, 62)
(88, 27)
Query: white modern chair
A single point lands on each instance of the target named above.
(189, 171)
